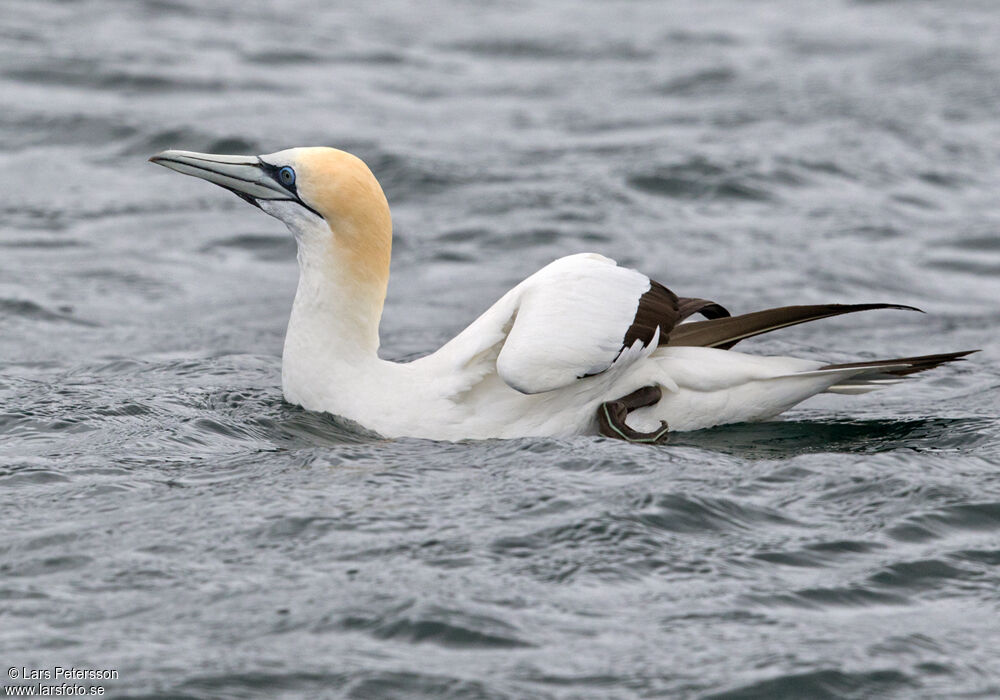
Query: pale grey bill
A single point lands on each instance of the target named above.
(241, 174)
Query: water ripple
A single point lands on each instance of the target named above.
(449, 628)
(822, 685)
(166, 513)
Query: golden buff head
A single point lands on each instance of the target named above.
(343, 191)
(329, 199)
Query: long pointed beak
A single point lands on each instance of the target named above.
(246, 176)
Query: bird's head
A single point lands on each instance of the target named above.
(328, 198)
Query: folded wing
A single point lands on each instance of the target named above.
(583, 314)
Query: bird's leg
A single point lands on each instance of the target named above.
(611, 416)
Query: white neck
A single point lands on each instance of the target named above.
(332, 339)
(332, 311)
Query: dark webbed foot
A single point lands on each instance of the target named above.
(611, 417)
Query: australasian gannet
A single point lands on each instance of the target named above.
(576, 348)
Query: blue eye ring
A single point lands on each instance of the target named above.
(286, 176)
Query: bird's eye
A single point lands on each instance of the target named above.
(287, 176)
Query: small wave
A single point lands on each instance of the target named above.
(819, 166)
(402, 684)
(522, 48)
(406, 177)
(687, 514)
(92, 75)
(282, 57)
(971, 517)
(945, 180)
(55, 539)
(45, 565)
(989, 557)
(695, 37)
(35, 218)
(978, 243)
(708, 81)
(248, 684)
(820, 554)
(437, 625)
(918, 575)
(915, 201)
(825, 684)
(582, 549)
(112, 281)
(702, 179)
(22, 308)
(261, 246)
(31, 477)
(468, 244)
(789, 438)
(188, 140)
(166, 7)
(294, 57)
(126, 409)
(291, 426)
(38, 129)
(44, 243)
(635, 538)
(853, 596)
(10, 593)
(300, 527)
(972, 264)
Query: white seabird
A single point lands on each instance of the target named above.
(576, 348)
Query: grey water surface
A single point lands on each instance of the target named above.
(165, 514)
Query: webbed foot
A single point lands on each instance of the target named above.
(611, 417)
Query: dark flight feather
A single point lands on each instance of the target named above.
(725, 332)
(661, 308)
(913, 364)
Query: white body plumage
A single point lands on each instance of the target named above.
(536, 339)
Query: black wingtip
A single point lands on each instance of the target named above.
(914, 365)
(899, 307)
(724, 333)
